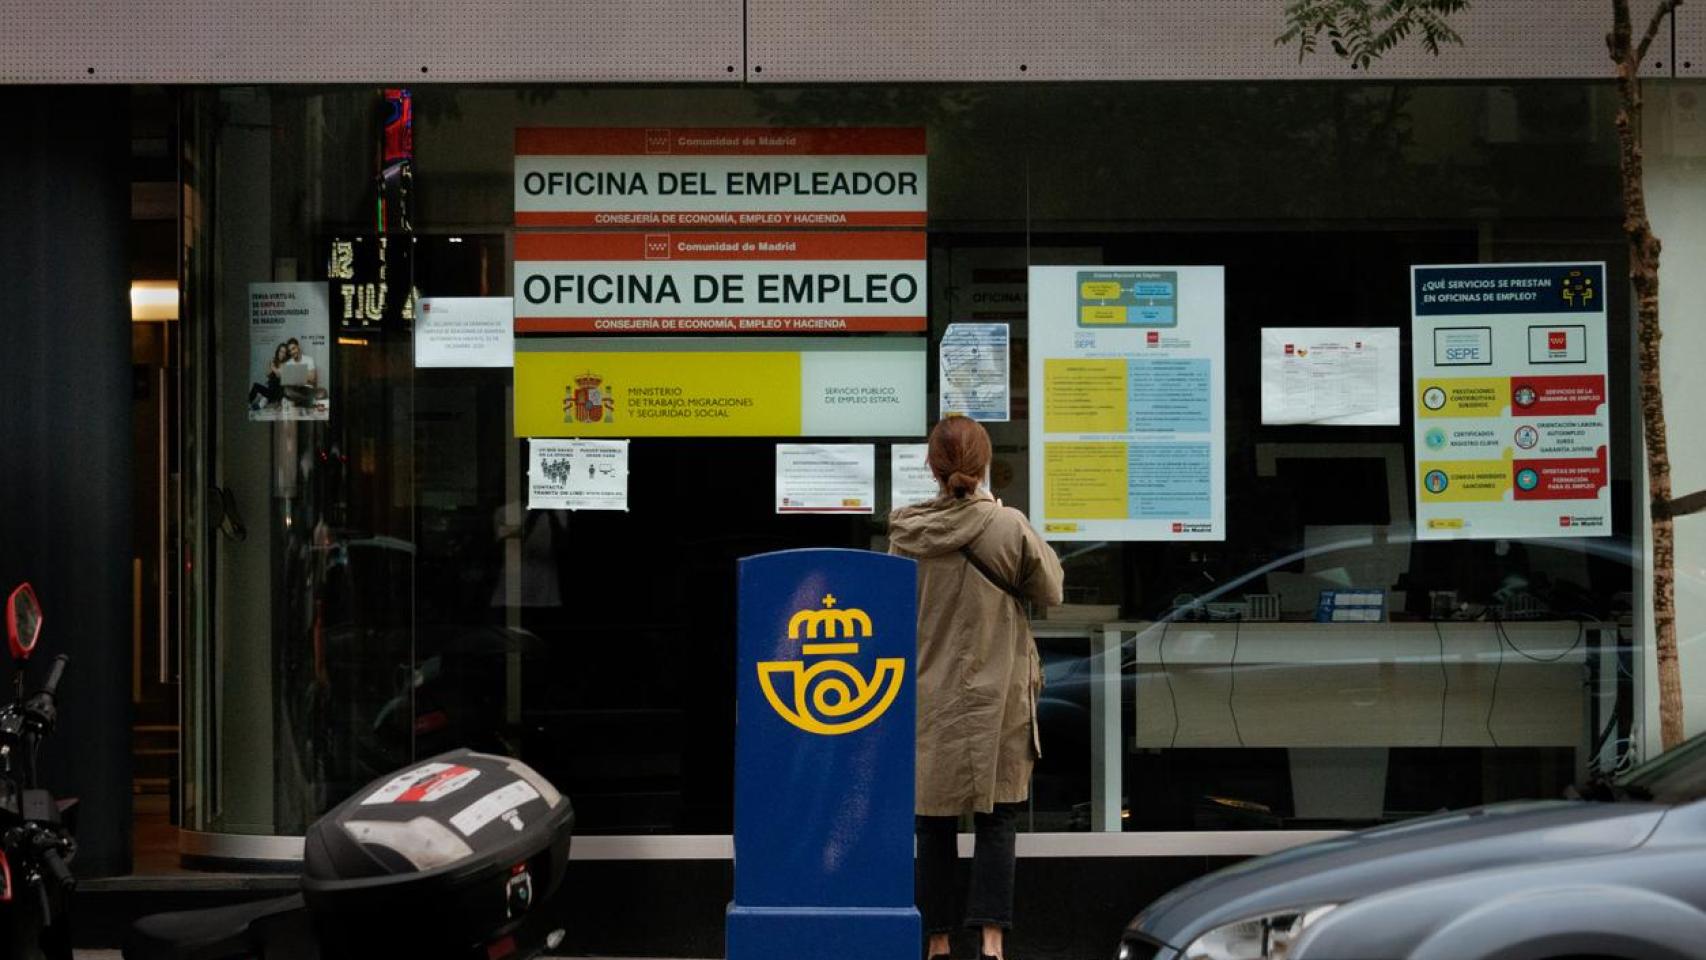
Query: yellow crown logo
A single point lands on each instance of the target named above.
(831, 697)
(833, 623)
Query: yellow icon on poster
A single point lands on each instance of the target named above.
(1464, 397)
(831, 697)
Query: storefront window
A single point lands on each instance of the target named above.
(392, 596)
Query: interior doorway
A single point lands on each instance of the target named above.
(155, 248)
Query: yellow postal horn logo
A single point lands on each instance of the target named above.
(831, 697)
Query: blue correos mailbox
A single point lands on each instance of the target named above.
(824, 755)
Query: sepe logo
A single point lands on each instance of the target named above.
(1154, 338)
(1178, 527)
(1563, 521)
(1290, 349)
(658, 140)
(657, 246)
(1557, 340)
(830, 697)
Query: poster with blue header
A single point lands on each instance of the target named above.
(1511, 399)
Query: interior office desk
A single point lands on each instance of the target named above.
(1336, 695)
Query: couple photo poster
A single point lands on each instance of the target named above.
(289, 350)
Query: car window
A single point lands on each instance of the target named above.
(1676, 776)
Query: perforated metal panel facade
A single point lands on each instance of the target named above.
(309, 41)
(319, 41)
(1689, 55)
(959, 40)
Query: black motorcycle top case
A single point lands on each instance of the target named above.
(456, 856)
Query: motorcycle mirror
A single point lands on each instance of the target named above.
(23, 621)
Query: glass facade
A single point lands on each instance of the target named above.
(372, 588)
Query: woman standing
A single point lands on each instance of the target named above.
(270, 391)
(978, 679)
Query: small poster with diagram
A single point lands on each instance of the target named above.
(577, 475)
(289, 350)
(974, 380)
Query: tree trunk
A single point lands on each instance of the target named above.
(1644, 277)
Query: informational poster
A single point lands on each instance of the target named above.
(1512, 408)
(465, 332)
(910, 479)
(1330, 376)
(751, 387)
(1127, 371)
(577, 475)
(826, 478)
(696, 283)
(974, 371)
(289, 352)
(687, 177)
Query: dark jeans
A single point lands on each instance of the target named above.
(989, 902)
(271, 390)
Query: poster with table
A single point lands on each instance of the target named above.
(1128, 374)
(1513, 414)
(1330, 376)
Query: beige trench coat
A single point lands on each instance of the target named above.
(978, 670)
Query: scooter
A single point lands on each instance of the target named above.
(36, 842)
(458, 857)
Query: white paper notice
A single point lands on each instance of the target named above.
(974, 364)
(577, 475)
(1332, 376)
(910, 479)
(826, 478)
(465, 332)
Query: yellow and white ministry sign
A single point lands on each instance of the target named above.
(686, 387)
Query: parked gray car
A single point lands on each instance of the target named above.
(1620, 877)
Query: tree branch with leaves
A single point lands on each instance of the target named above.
(1362, 31)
